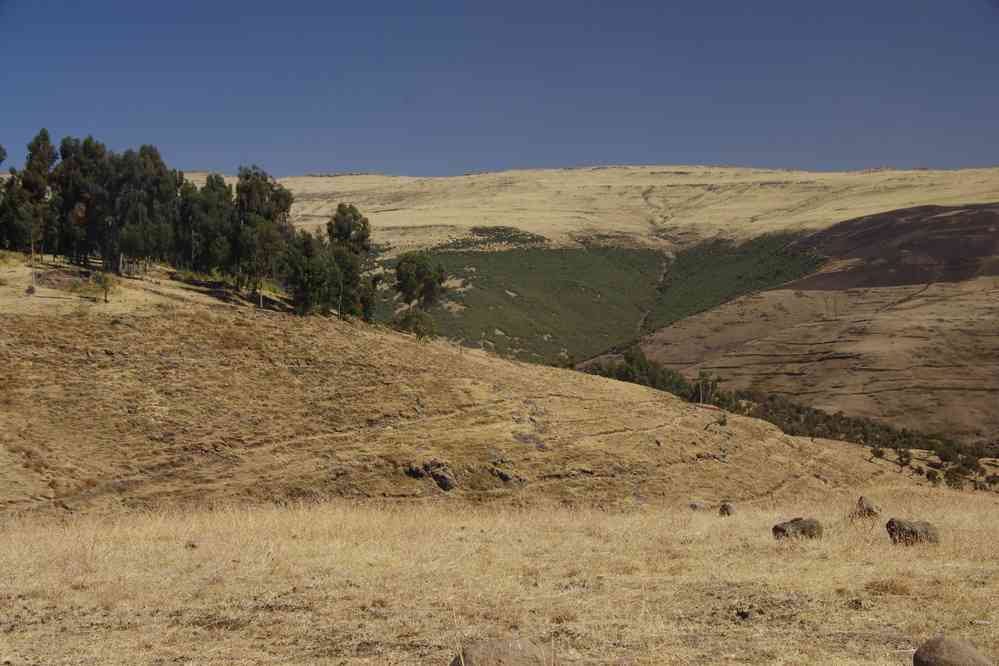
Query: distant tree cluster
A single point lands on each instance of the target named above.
(326, 272)
(125, 210)
(960, 460)
(420, 283)
(130, 208)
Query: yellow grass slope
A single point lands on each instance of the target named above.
(191, 404)
(634, 204)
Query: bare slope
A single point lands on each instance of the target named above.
(194, 404)
(631, 204)
(901, 326)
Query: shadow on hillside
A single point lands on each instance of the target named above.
(225, 292)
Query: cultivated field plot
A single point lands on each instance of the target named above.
(349, 584)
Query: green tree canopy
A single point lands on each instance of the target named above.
(417, 279)
(349, 227)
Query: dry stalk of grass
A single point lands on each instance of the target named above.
(341, 583)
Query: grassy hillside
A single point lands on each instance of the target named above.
(540, 304)
(154, 400)
(535, 303)
(714, 272)
(641, 204)
(898, 326)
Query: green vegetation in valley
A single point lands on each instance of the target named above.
(483, 237)
(714, 272)
(533, 303)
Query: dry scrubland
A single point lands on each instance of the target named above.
(645, 205)
(341, 583)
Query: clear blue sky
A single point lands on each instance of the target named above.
(434, 88)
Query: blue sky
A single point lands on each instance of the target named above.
(438, 88)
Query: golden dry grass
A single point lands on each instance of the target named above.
(189, 405)
(346, 584)
(633, 204)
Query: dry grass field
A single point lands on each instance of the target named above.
(640, 205)
(343, 583)
(184, 479)
(180, 403)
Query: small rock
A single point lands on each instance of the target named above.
(697, 505)
(911, 532)
(501, 474)
(744, 614)
(856, 604)
(443, 479)
(501, 652)
(436, 470)
(943, 651)
(798, 528)
(865, 509)
(726, 509)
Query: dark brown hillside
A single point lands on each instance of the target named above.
(909, 246)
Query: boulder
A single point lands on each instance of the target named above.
(443, 479)
(865, 509)
(436, 470)
(501, 652)
(726, 509)
(697, 505)
(798, 528)
(911, 532)
(943, 651)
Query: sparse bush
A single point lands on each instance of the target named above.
(903, 458)
(954, 478)
(485, 236)
(415, 321)
(105, 283)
